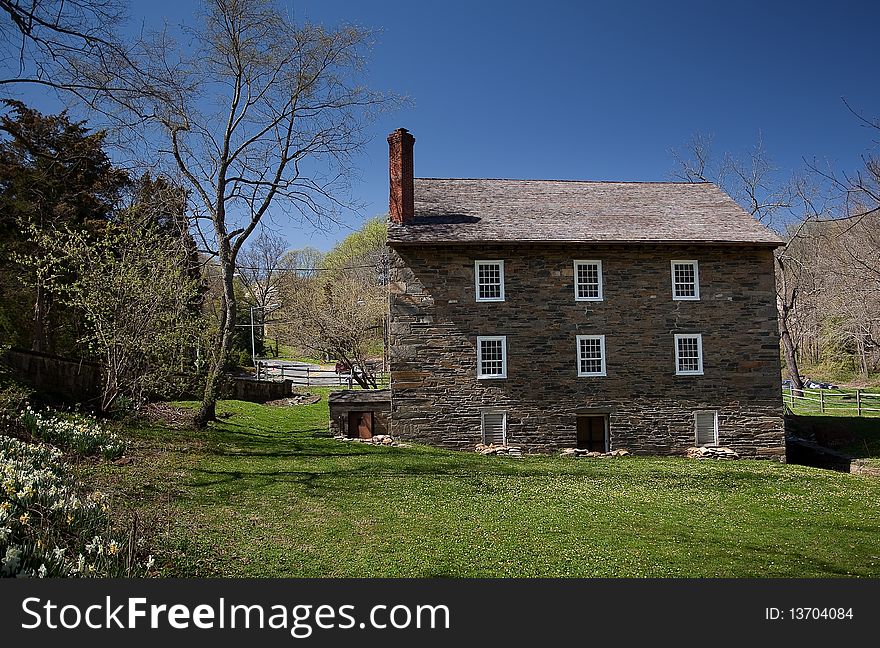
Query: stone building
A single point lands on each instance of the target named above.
(601, 315)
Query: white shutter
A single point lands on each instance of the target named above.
(707, 428)
(494, 428)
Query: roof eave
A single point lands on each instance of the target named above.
(714, 243)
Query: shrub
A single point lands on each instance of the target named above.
(48, 527)
(13, 395)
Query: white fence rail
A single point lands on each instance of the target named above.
(306, 376)
(832, 401)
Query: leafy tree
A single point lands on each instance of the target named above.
(132, 285)
(54, 173)
(287, 108)
(364, 252)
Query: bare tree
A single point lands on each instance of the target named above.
(694, 161)
(42, 41)
(261, 267)
(858, 192)
(340, 316)
(753, 181)
(837, 320)
(257, 112)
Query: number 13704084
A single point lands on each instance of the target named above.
(808, 614)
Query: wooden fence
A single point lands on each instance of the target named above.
(306, 376)
(832, 401)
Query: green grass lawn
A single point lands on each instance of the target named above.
(262, 493)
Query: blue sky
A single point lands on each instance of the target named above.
(601, 90)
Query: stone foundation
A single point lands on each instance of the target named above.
(646, 427)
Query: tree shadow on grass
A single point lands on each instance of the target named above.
(337, 480)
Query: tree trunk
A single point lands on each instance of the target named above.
(39, 335)
(863, 357)
(784, 306)
(208, 409)
(790, 356)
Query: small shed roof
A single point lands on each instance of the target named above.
(360, 397)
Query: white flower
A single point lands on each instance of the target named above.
(11, 561)
(42, 571)
(95, 545)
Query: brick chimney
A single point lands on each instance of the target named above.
(400, 163)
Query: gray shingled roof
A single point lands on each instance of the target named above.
(453, 210)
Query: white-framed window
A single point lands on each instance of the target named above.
(706, 427)
(492, 356)
(489, 280)
(587, 280)
(494, 426)
(591, 355)
(685, 280)
(689, 354)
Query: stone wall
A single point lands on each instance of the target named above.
(258, 391)
(55, 377)
(435, 320)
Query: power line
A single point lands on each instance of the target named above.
(360, 267)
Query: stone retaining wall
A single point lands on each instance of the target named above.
(56, 377)
(259, 391)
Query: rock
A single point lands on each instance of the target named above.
(620, 453)
(387, 441)
(710, 452)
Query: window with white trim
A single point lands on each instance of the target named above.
(492, 356)
(489, 280)
(588, 280)
(685, 280)
(591, 355)
(706, 427)
(689, 354)
(494, 428)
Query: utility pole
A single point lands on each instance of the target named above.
(264, 309)
(253, 341)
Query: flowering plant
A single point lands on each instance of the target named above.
(78, 433)
(48, 527)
